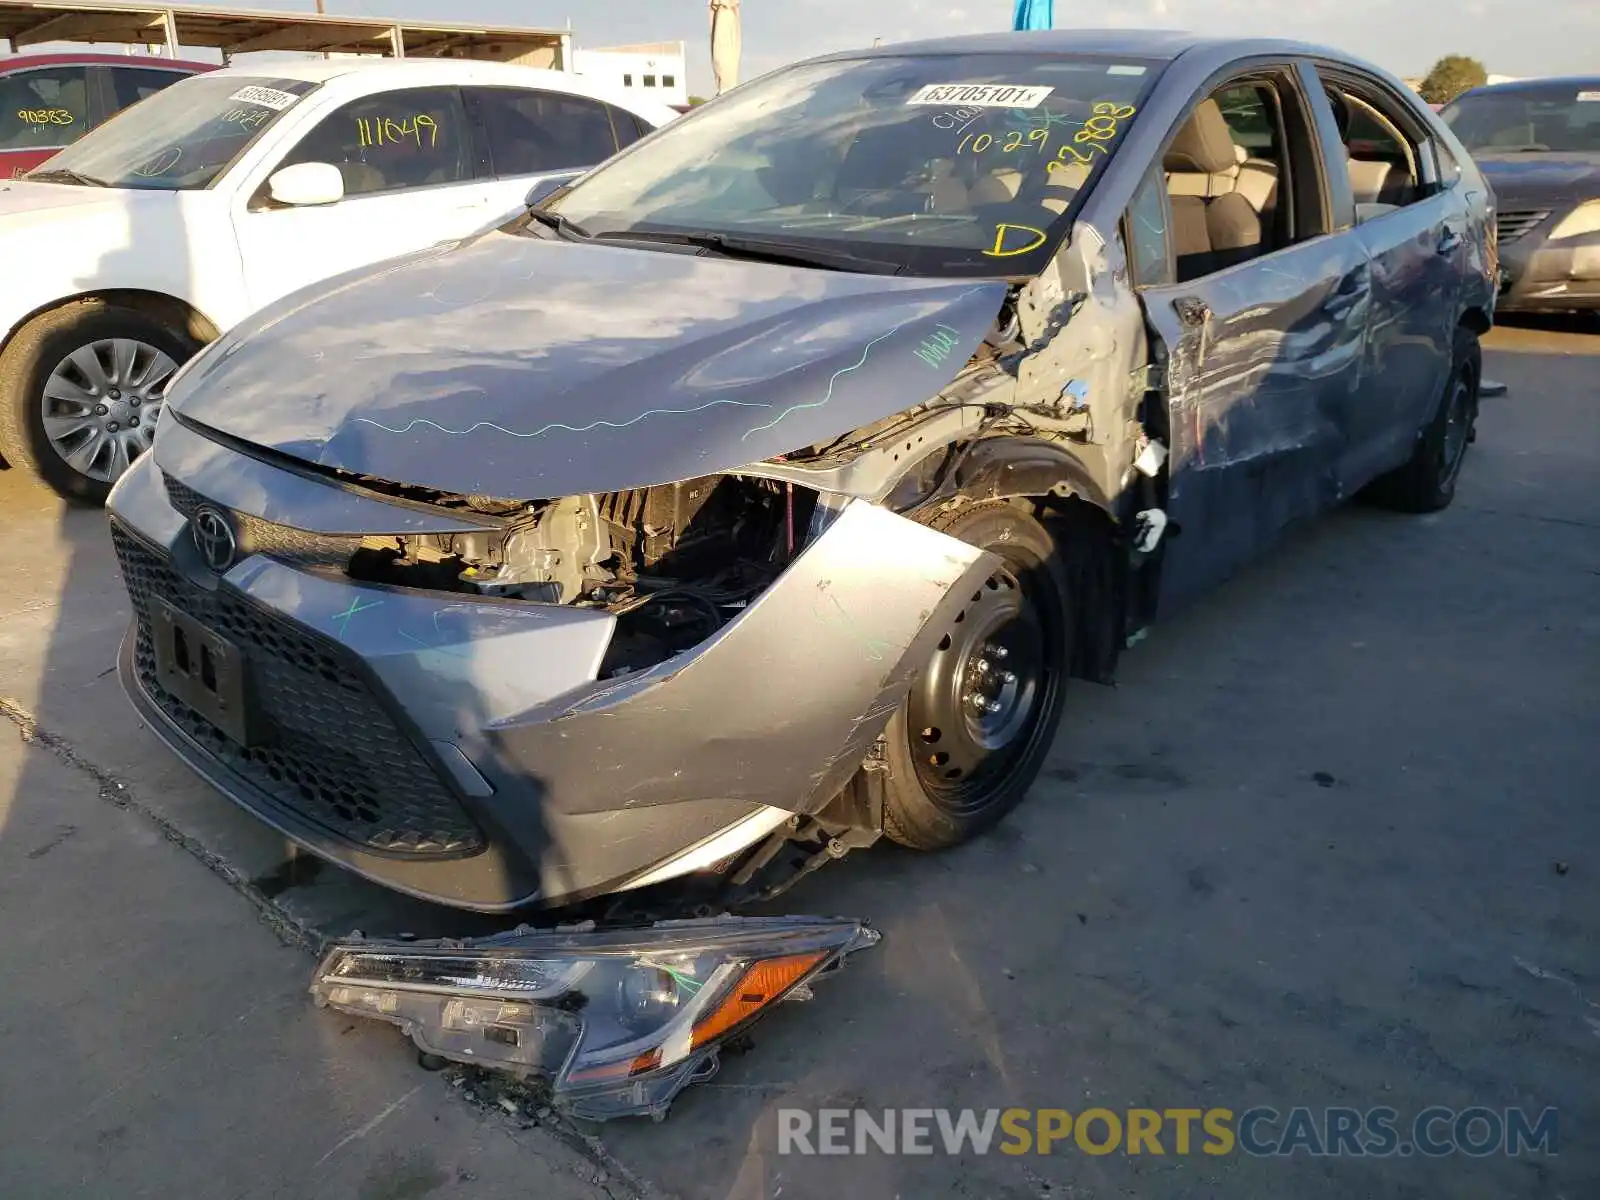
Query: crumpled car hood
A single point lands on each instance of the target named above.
(517, 366)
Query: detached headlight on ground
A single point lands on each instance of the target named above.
(1581, 220)
(620, 1021)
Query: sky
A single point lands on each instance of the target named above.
(1511, 37)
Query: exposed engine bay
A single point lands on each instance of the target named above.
(673, 562)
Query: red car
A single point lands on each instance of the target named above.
(48, 101)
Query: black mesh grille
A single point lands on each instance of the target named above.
(263, 537)
(326, 746)
(1512, 225)
(181, 496)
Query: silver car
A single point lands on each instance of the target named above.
(757, 494)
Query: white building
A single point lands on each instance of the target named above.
(658, 70)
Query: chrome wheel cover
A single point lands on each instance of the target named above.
(100, 405)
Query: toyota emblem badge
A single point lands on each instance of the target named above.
(213, 537)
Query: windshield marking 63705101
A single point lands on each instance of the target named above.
(981, 95)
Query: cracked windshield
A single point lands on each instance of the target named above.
(956, 164)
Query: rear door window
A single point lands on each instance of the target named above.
(629, 128)
(532, 131)
(412, 138)
(1383, 161)
(45, 107)
(129, 85)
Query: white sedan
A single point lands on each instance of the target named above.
(154, 234)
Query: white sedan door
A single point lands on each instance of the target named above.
(413, 177)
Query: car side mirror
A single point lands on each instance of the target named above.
(308, 183)
(548, 186)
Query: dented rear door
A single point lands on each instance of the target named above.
(1261, 365)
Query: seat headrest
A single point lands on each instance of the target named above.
(1203, 145)
(1367, 179)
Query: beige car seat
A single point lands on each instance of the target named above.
(998, 187)
(1213, 226)
(1367, 179)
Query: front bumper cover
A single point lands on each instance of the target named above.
(577, 787)
(1540, 275)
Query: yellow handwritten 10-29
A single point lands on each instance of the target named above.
(1102, 127)
(247, 118)
(381, 131)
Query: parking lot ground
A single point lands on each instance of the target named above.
(158, 1040)
(1333, 840)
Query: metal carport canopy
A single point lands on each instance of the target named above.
(26, 23)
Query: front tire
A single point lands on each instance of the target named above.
(81, 387)
(970, 738)
(1427, 481)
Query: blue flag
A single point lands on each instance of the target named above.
(1034, 14)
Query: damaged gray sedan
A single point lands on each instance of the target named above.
(757, 494)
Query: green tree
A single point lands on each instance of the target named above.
(1452, 75)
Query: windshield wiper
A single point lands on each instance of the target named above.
(561, 224)
(63, 175)
(764, 250)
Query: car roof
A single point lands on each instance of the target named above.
(15, 62)
(321, 70)
(382, 73)
(1531, 85)
(1165, 44)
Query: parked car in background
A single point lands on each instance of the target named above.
(1538, 142)
(164, 227)
(756, 495)
(49, 101)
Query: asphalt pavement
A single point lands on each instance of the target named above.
(1333, 840)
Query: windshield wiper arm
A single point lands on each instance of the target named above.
(764, 250)
(561, 224)
(64, 175)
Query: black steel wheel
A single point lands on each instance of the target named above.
(1427, 481)
(974, 730)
